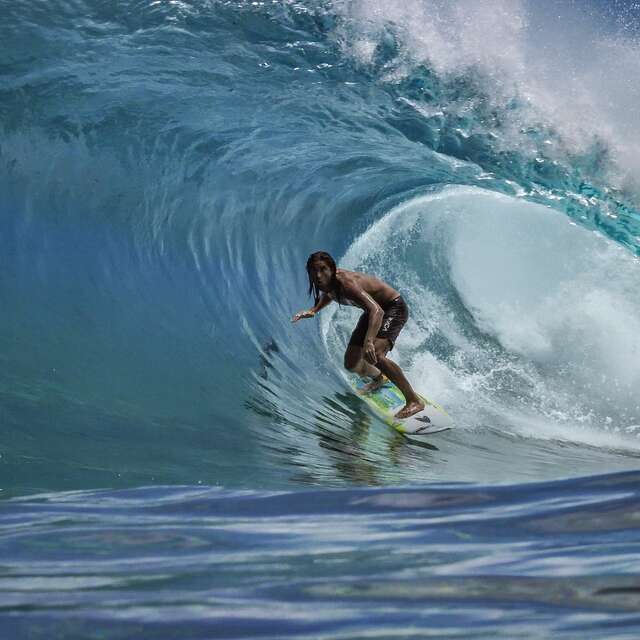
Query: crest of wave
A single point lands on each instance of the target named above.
(575, 71)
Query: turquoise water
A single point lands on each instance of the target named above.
(165, 170)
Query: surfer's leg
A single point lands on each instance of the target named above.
(395, 317)
(390, 369)
(353, 361)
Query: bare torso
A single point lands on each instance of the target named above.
(380, 291)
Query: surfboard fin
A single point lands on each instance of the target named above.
(427, 431)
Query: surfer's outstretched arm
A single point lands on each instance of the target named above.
(322, 303)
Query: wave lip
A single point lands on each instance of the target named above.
(561, 75)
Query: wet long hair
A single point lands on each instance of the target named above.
(336, 287)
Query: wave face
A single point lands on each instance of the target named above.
(167, 167)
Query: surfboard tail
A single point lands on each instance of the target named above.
(388, 400)
(432, 419)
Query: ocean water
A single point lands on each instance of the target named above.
(177, 459)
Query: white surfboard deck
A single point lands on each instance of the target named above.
(388, 400)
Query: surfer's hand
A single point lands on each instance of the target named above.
(303, 314)
(370, 352)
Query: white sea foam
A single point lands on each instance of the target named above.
(519, 318)
(570, 68)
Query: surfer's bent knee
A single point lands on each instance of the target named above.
(352, 358)
(383, 346)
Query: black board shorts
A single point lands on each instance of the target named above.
(396, 314)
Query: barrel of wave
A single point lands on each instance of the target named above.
(515, 310)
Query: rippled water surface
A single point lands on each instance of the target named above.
(539, 560)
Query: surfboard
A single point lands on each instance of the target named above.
(388, 400)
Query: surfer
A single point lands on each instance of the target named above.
(385, 313)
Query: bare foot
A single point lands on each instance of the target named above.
(410, 409)
(374, 385)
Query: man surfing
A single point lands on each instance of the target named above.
(385, 314)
